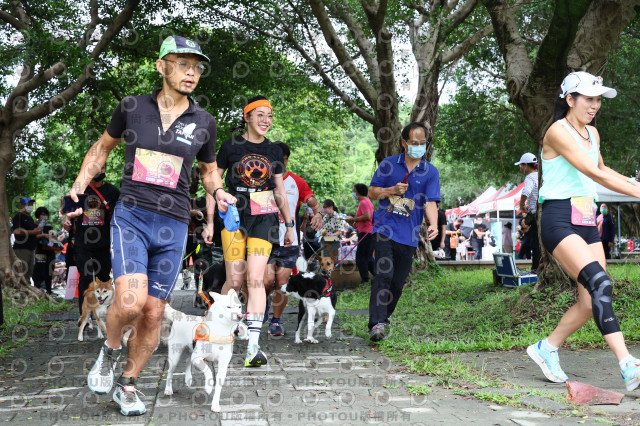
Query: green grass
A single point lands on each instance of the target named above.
(444, 312)
(419, 389)
(499, 398)
(17, 327)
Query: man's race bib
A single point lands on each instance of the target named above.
(401, 206)
(156, 168)
(263, 203)
(583, 211)
(93, 217)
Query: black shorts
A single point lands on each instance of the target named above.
(555, 225)
(284, 257)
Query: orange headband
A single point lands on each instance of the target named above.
(255, 104)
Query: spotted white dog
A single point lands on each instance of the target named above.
(318, 298)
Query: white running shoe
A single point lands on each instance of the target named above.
(100, 378)
(126, 396)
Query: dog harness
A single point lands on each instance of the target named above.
(327, 289)
(202, 333)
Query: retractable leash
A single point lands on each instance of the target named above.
(231, 221)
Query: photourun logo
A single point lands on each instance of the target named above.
(191, 43)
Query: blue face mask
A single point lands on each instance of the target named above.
(416, 151)
(355, 196)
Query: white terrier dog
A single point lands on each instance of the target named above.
(213, 335)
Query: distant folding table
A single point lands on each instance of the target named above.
(507, 273)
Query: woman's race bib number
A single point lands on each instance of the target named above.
(263, 203)
(583, 211)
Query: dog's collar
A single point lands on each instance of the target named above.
(212, 338)
(327, 289)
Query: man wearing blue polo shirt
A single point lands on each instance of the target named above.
(407, 187)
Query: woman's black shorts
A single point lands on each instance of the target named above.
(555, 225)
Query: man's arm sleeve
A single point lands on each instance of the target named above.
(207, 153)
(528, 187)
(303, 188)
(118, 123)
(221, 158)
(433, 186)
(380, 177)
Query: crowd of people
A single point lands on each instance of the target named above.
(138, 235)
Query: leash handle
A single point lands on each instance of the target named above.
(204, 297)
(201, 293)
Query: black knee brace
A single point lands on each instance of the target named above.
(594, 278)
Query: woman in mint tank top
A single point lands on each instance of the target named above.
(571, 164)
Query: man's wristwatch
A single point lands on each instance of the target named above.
(289, 224)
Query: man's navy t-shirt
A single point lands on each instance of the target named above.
(158, 164)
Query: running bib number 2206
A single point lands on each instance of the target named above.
(583, 211)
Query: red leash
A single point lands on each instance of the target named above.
(405, 180)
(363, 237)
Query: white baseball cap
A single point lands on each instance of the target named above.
(527, 158)
(586, 84)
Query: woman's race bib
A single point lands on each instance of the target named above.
(583, 211)
(263, 203)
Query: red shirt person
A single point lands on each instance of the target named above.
(363, 222)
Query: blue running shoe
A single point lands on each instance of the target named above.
(548, 362)
(275, 329)
(631, 374)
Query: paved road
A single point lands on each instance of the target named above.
(342, 381)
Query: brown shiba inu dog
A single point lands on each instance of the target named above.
(97, 299)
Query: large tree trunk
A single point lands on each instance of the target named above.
(15, 287)
(7, 155)
(387, 131)
(425, 107)
(23, 106)
(425, 111)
